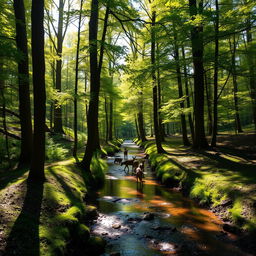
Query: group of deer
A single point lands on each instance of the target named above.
(137, 166)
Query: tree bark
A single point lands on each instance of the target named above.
(95, 70)
(58, 109)
(4, 131)
(208, 91)
(215, 87)
(235, 87)
(178, 72)
(141, 117)
(110, 137)
(161, 125)
(106, 117)
(190, 120)
(136, 126)
(76, 82)
(36, 173)
(154, 85)
(197, 53)
(23, 80)
(252, 71)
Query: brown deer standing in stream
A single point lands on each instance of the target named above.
(128, 162)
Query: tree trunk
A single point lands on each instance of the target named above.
(110, 136)
(154, 85)
(215, 79)
(5, 131)
(178, 72)
(190, 120)
(76, 82)
(235, 87)
(197, 52)
(58, 109)
(208, 91)
(141, 118)
(161, 125)
(95, 71)
(36, 173)
(106, 117)
(252, 71)
(136, 126)
(23, 77)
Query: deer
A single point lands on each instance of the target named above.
(128, 162)
(118, 160)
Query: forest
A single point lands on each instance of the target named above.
(127, 127)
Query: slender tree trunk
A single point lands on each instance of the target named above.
(235, 87)
(137, 128)
(252, 71)
(23, 77)
(178, 72)
(197, 52)
(36, 173)
(58, 109)
(154, 85)
(208, 91)
(161, 125)
(110, 136)
(92, 118)
(76, 82)
(215, 87)
(141, 118)
(190, 120)
(106, 117)
(5, 131)
(95, 71)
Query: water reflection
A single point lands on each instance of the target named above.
(177, 226)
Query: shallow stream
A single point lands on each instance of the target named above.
(150, 219)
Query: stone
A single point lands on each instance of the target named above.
(116, 226)
(148, 216)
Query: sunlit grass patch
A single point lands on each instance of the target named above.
(63, 209)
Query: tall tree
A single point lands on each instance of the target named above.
(36, 173)
(23, 78)
(216, 67)
(76, 80)
(58, 110)
(154, 84)
(252, 70)
(197, 55)
(233, 46)
(92, 145)
(180, 89)
(191, 124)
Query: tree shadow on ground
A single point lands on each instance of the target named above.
(247, 171)
(24, 236)
(11, 176)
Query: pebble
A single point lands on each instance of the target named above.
(116, 226)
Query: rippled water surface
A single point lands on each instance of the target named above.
(149, 219)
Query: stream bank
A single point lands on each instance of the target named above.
(221, 182)
(151, 219)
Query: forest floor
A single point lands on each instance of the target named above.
(44, 219)
(222, 178)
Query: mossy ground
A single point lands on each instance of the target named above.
(49, 218)
(222, 179)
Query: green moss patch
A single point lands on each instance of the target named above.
(222, 181)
